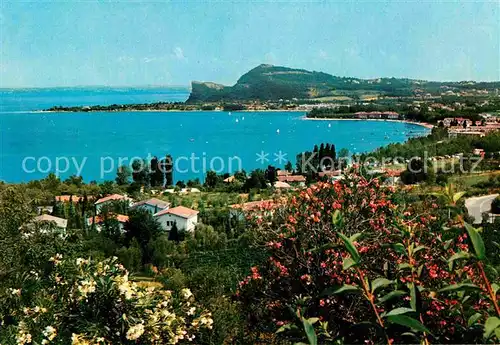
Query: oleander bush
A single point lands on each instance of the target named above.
(87, 302)
(349, 265)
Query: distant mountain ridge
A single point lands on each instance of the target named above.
(268, 82)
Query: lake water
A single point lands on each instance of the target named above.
(96, 142)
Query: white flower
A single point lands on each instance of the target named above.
(56, 259)
(86, 287)
(135, 332)
(23, 338)
(50, 332)
(15, 292)
(186, 293)
(81, 261)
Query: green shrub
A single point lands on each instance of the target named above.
(131, 256)
(172, 278)
(88, 302)
(495, 205)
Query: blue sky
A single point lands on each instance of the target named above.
(126, 43)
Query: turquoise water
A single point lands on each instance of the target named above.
(97, 141)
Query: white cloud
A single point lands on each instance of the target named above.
(179, 53)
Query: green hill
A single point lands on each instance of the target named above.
(268, 82)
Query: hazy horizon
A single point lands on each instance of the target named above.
(150, 44)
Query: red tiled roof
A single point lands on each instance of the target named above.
(180, 211)
(99, 219)
(279, 184)
(248, 206)
(110, 198)
(292, 178)
(229, 179)
(393, 172)
(283, 173)
(66, 198)
(74, 198)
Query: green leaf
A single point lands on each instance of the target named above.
(459, 255)
(458, 196)
(408, 322)
(419, 248)
(495, 288)
(311, 334)
(313, 320)
(460, 287)
(416, 339)
(398, 311)
(399, 248)
(404, 265)
(350, 247)
(477, 241)
(391, 295)
(447, 244)
(336, 218)
(419, 270)
(324, 247)
(490, 326)
(347, 289)
(380, 282)
(355, 237)
(286, 327)
(348, 263)
(414, 297)
(473, 319)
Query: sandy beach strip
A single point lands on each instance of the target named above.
(423, 124)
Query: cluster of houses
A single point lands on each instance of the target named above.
(183, 217)
(459, 126)
(284, 180)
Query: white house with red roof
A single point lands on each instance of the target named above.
(185, 218)
(107, 200)
(295, 179)
(152, 205)
(99, 221)
(45, 221)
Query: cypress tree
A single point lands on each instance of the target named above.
(153, 169)
(173, 235)
(169, 166)
(321, 151)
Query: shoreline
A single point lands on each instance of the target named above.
(165, 111)
(304, 117)
(423, 124)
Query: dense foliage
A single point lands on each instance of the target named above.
(495, 205)
(356, 264)
(88, 302)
